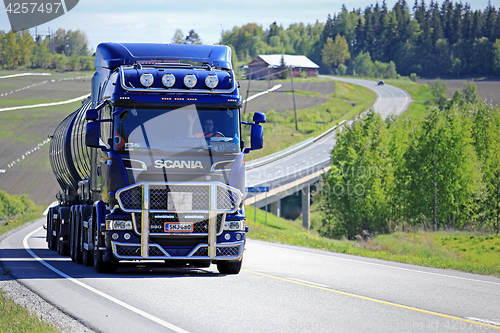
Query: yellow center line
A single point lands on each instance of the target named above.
(479, 323)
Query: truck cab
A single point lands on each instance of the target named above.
(154, 165)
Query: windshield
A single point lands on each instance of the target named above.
(184, 129)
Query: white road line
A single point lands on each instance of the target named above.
(485, 321)
(311, 283)
(98, 292)
(23, 74)
(386, 266)
(45, 104)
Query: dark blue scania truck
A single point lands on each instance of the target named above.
(152, 166)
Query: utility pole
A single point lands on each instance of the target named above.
(248, 90)
(293, 95)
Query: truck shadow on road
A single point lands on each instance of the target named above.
(19, 264)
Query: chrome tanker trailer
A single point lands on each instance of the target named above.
(152, 165)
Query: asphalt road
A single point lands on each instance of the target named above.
(280, 289)
(390, 100)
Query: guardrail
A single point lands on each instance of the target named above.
(290, 150)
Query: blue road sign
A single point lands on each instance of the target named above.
(259, 189)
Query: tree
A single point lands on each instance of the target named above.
(470, 93)
(363, 65)
(26, 46)
(439, 91)
(178, 37)
(192, 38)
(283, 68)
(496, 57)
(335, 53)
(359, 186)
(341, 70)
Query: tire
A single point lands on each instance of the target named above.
(99, 265)
(87, 257)
(229, 267)
(50, 230)
(77, 236)
(64, 244)
(72, 239)
(48, 237)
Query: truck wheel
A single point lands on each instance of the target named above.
(49, 229)
(99, 265)
(53, 227)
(87, 258)
(229, 267)
(77, 236)
(72, 240)
(63, 231)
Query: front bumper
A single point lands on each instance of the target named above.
(132, 251)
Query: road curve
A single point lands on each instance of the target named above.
(280, 289)
(390, 100)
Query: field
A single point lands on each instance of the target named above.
(24, 163)
(488, 89)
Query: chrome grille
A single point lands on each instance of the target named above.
(228, 251)
(135, 251)
(156, 224)
(128, 251)
(130, 199)
(222, 251)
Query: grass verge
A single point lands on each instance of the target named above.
(13, 317)
(468, 252)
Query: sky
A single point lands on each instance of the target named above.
(156, 20)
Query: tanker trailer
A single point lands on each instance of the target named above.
(152, 166)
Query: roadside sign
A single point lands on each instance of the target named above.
(258, 189)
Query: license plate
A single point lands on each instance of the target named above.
(179, 227)
(180, 201)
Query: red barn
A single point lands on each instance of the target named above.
(269, 66)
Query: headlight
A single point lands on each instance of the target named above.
(190, 80)
(147, 80)
(118, 225)
(212, 81)
(168, 80)
(234, 225)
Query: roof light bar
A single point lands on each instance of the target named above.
(190, 80)
(147, 80)
(168, 80)
(212, 81)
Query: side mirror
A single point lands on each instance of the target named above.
(92, 134)
(91, 114)
(259, 117)
(257, 136)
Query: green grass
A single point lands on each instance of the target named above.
(462, 251)
(417, 110)
(15, 318)
(304, 93)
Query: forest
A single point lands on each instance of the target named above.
(62, 50)
(448, 39)
(442, 172)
